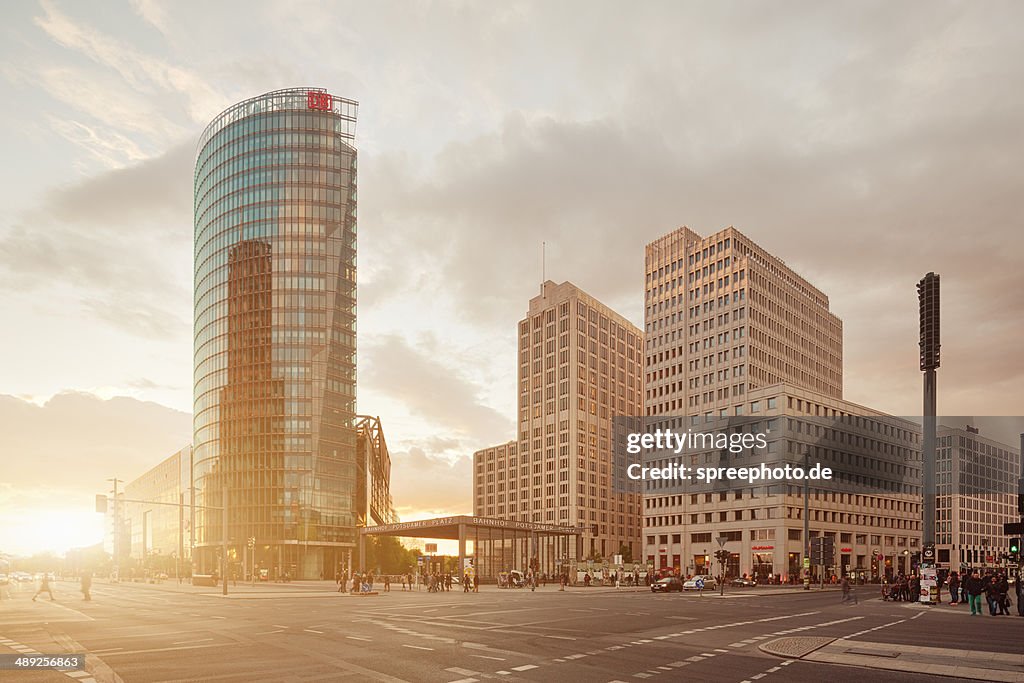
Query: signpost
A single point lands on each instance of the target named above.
(929, 578)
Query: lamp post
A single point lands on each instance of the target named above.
(807, 521)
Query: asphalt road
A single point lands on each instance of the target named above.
(136, 633)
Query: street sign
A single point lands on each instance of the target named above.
(431, 548)
(721, 541)
(807, 563)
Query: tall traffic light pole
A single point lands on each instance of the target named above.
(928, 304)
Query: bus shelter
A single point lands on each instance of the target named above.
(498, 544)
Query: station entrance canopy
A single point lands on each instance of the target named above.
(498, 544)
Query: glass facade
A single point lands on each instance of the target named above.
(275, 335)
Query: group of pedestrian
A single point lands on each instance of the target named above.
(993, 585)
(902, 588)
(45, 587)
(360, 582)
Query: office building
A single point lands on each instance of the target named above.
(733, 333)
(724, 317)
(156, 534)
(872, 510)
(976, 493)
(579, 365)
(275, 333)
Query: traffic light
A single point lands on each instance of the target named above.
(1015, 550)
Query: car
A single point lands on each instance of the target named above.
(743, 582)
(667, 585)
(700, 582)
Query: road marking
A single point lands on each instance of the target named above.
(267, 633)
(109, 649)
(462, 672)
(417, 647)
(497, 659)
(358, 638)
(197, 640)
(218, 617)
(524, 667)
(559, 637)
(309, 630)
(720, 650)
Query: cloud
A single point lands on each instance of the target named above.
(421, 482)
(137, 69)
(441, 394)
(120, 199)
(75, 441)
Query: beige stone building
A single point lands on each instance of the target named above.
(724, 317)
(579, 364)
(733, 332)
(872, 510)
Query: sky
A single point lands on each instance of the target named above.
(864, 143)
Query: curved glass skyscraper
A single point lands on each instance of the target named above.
(275, 335)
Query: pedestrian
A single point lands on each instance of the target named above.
(974, 587)
(476, 583)
(87, 585)
(44, 587)
(848, 592)
(387, 583)
(954, 588)
(1002, 590)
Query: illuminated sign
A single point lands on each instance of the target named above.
(322, 101)
(846, 550)
(762, 547)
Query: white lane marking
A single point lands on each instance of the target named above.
(524, 667)
(417, 647)
(367, 640)
(309, 630)
(465, 680)
(559, 637)
(267, 633)
(197, 640)
(109, 649)
(497, 659)
(462, 672)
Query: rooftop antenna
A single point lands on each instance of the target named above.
(543, 266)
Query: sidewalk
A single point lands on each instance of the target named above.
(965, 664)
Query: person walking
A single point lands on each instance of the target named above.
(87, 585)
(387, 583)
(476, 583)
(975, 587)
(848, 592)
(44, 587)
(1001, 586)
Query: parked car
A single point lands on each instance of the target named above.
(667, 585)
(742, 582)
(709, 583)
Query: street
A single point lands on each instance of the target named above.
(306, 632)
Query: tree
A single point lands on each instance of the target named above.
(388, 556)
